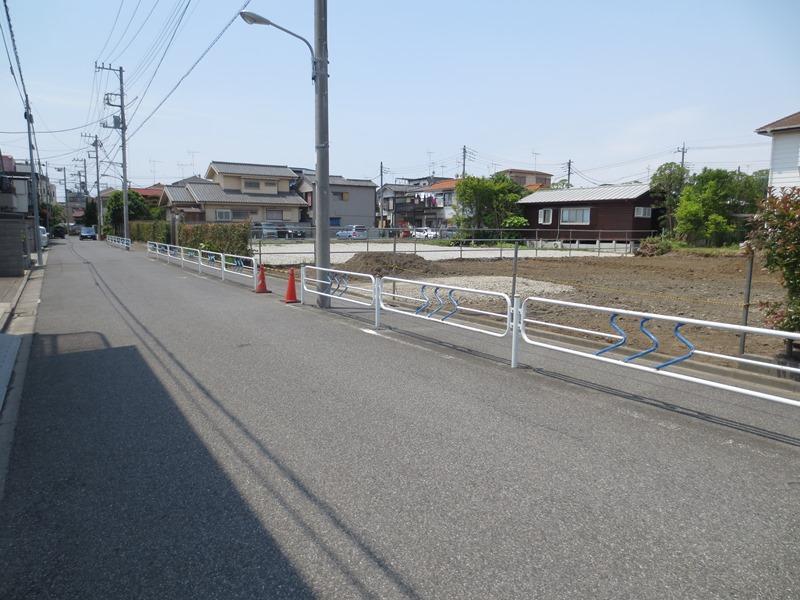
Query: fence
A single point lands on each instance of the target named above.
(119, 242)
(439, 303)
(436, 245)
(231, 266)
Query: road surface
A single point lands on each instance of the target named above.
(180, 437)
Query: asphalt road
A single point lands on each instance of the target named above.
(180, 437)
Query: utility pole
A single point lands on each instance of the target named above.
(569, 173)
(66, 197)
(534, 154)
(463, 162)
(120, 123)
(34, 185)
(380, 202)
(322, 200)
(682, 150)
(96, 145)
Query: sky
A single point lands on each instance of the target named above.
(613, 86)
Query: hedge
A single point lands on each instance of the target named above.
(149, 231)
(228, 238)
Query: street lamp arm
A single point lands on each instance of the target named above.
(254, 19)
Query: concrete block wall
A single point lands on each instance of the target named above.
(12, 237)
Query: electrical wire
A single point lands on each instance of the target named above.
(113, 27)
(11, 65)
(125, 31)
(136, 34)
(55, 130)
(185, 75)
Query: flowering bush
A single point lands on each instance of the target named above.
(776, 232)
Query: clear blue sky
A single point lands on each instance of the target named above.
(600, 83)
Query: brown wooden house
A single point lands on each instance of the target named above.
(606, 212)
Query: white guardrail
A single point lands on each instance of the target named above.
(119, 242)
(458, 307)
(449, 305)
(228, 266)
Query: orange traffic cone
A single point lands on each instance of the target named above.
(261, 283)
(291, 294)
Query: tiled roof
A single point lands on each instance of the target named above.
(449, 184)
(230, 168)
(212, 193)
(593, 194)
(790, 122)
(192, 179)
(177, 194)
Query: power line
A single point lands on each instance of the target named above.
(125, 31)
(11, 66)
(136, 34)
(56, 130)
(185, 75)
(161, 60)
(113, 27)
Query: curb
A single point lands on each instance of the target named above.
(6, 317)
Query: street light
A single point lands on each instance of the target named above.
(319, 74)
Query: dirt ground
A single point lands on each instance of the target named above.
(702, 287)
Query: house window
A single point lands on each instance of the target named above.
(341, 196)
(575, 216)
(335, 221)
(274, 215)
(252, 184)
(644, 212)
(221, 214)
(240, 215)
(545, 216)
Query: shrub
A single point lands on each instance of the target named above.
(654, 246)
(149, 231)
(776, 231)
(228, 238)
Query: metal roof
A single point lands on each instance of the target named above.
(310, 176)
(230, 168)
(593, 194)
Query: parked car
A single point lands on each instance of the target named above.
(288, 230)
(352, 232)
(425, 233)
(59, 231)
(75, 229)
(449, 232)
(263, 231)
(88, 233)
(43, 238)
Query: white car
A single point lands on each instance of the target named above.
(425, 233)
(43, 237)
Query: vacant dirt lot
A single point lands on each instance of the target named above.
(703, 287)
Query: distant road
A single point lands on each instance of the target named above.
(181, 437)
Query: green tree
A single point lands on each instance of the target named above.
(487, 202)
(666, 186)
(561, 184)
(90, 214)
(113, 210)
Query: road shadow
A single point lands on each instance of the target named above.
(111, 493)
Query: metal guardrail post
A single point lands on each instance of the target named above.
(515, 326)
(377, 294)
(302, 284)
(222, 271)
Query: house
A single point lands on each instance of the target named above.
(606, 212)
(784, 166)
(249, 191)
(388, 196)
(428, 206)
(352, 201)
(525, 177)
(151, 194)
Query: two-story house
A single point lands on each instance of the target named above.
(525, 177)
(352, 201)
(784, 166)
(251, 191)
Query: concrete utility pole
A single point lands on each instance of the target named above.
(66, 198)
(319, 73)
(682, 150)
(96, 145)
(34, 185)
(322, 204)
(123, 129)
(380, 201)
(463, 162)
(569, 172)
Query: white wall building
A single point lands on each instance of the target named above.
(784, 168)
